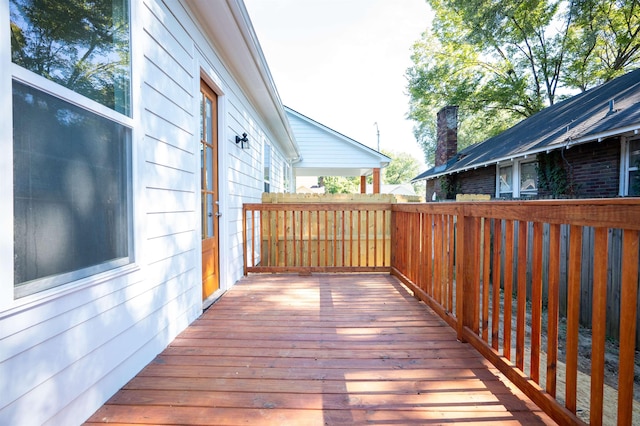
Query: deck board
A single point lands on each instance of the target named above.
(319, 350)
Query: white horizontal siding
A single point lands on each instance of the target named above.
(61, 358)
(320, 148)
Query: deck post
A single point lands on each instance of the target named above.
(363, 184)
(467, 271)
(376, 180)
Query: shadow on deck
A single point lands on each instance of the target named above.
(319, 350)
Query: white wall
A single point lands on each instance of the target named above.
(65, 351)
(321, 148)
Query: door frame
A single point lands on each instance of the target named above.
(205, 74)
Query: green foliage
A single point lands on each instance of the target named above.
(449, 187)
(80, 44)
(340, 184)
(552, 176)
(401, 169)
(502, 61)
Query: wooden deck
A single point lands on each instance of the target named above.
(319, 350)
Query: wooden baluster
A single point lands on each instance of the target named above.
(429, 254)
(628, 307)
(439, 244)
(495, 294)
(383, 237)
(486, 277)
(552, 307)
(536, 301)
(471, 278)
(522, 294)
(598, 329)
(309, 251)
(335, 238)
(318, 238)
(375, 238)
(573, 315)
(450, 276)
(508, 288)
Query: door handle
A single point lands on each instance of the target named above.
(218, 214)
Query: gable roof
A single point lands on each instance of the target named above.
(585, 117)
(326, 152)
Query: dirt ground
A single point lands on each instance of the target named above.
(610, 405)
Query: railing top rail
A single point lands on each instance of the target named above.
(354, 206)
(623, 213)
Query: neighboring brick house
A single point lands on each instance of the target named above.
(587, 146)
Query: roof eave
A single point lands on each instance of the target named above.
(632, 129)
(239, 48)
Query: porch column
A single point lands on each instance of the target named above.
(363, 184)
(376, 180)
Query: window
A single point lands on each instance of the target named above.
(630, 181)
(505, 181)
(81, 45)
(528, 179)
(267, 167)
(71, 164)
(517, 179)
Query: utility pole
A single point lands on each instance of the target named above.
(378, 133)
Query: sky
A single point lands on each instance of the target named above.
(342, 63)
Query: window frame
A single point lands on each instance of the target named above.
(55, 284)
(625, 165)
(267, 159)
(516, 174)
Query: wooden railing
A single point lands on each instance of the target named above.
(513, 278)
(493, 271)
(317, 237)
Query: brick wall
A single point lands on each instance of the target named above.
(592, 168)
(478, 181)
(595, 168)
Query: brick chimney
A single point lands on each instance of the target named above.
(447, 129)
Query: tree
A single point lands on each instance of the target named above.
(340, 184)
(80, 44)
(401, 169)
(502, 61)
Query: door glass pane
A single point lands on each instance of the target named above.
(203, 171)
(203, 215)
(209, 168)
(208, 125)
(210, 215)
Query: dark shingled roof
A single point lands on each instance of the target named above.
(579, 119)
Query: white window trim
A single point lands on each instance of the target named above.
(515, 176)
(625, 166)
(6, 162)
(10, 72)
